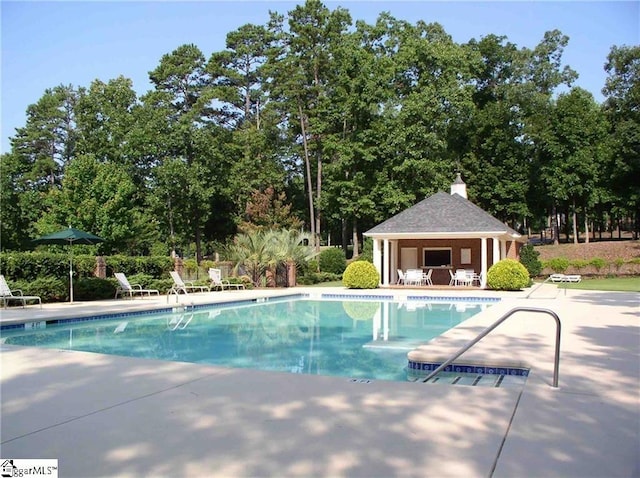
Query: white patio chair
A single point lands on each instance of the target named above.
(462, 278)
(6, 294)
(401, 278)
(217, 281)
(426, 278)
(131, 289)
(181, 286)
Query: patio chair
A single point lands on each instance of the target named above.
(413, 277)
(452, 281)
(400, 277)
(462, 278)
(6, 294)
(126, 288)
(426, 278)
(557, 278)
(181, 286)
(217, 281)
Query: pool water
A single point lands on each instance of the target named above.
(366, 339)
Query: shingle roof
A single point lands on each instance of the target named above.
(442, 213)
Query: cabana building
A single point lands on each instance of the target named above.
(444, 232)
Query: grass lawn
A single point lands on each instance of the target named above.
(619, 284)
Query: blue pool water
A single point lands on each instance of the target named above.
(359, 339)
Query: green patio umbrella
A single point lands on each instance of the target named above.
(69, 237)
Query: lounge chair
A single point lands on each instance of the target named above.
(217, 281)
(565, 278)
(6, 294)
(181, 286)
(131, 289)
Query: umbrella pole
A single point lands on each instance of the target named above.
(71, 277)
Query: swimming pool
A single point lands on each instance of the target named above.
(364, 339)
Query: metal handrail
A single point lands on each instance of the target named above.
(540, 285)
(556, 362)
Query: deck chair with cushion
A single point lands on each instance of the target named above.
(217, 281)
(6, 294)
(125, 287)
(184, 286)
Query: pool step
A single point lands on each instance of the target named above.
(474, 380)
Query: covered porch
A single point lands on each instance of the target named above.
(442, 254)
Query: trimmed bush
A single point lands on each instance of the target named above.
(507, 274)
(529, 258)
(598, 263)
(361, 275)
(579, 264)
(50, 289)
(93, 288)
(558, 264)
(332, 260)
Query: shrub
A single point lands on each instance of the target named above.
(367, 251)
(507, 274)
(311, 278)
(361, 275)
(579, 264)
(50, 289)
(558, 264)
(93, 288)
(332, 260)
(598, 263)
(529, 259)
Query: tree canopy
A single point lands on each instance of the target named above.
(314, 118)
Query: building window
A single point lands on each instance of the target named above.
(465, 256)
(437, 257)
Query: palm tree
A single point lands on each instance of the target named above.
(260, 253)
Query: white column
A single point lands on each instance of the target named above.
(483, 262)
(393, 262)
(503, 249)
(377, 256)
(387, 262)
(496, 250)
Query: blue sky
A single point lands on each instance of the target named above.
(45, 44)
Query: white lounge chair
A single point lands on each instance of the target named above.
(181, 286)
(217, 281)
(565, 278)
(6, 294)
(131, 289)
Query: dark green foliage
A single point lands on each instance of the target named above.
(93, 288)
(529, 258)
(361, 275)
(507, 274)
(50, 289)
(155, 266)
(311, 278)
(367, 251)
(332, 260)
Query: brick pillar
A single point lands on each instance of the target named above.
(101, 268)
(178, 265)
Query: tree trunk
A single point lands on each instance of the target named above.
(318, 191)
(555, 227)
(312, 219)
(586, 228)
(574, 220)
(291, 274)
(356, 248)
(345, 231)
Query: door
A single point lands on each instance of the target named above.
(408, 258)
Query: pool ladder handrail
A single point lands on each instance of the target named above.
(485, 332)
(548, 279)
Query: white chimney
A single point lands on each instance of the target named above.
(459, 187)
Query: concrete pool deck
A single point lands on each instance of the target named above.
(104, 415)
